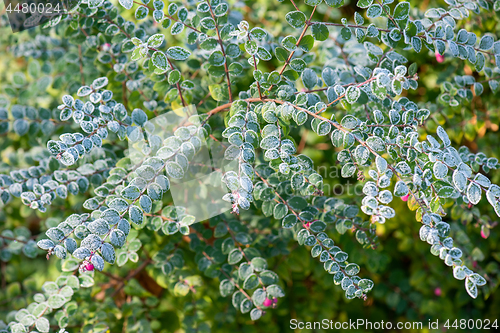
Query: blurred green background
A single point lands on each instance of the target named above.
(410, 283)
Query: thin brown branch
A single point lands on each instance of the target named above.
(287, 62)
(223, 52)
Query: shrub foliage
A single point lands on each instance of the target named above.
(97, 147)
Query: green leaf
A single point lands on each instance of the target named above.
(401, 189)
(178, 53)
(352, 269)
(221, 9)
(246, 305)
(364, 3)
(297, 203)
(298, 64)
(174, 76)
(135, 215)
(274, 78)
(245, 270)
(471, 287)
(486, 43)
(374, 11)
(258, 33)
(208, 23)
(335, 3)
(251, 282)
(234, 256)
(155, 40)
(317, 226)
(445, 191)
(309, 78)
(352, 94)
(279, 211)
(21, 126)
(474, 193)
(376, 143)
(320, 32)
(108, 253)
(259, 264)
(289, 221)
(349, 122)
(275, 291)
(402, 11)
(296, 19)
(365, 284)
(141, 12)
(56, 301)
(159, 60)
(348, 170)
(306, 43)
(122, 259)
(313, 2)
(255, 314)
(281, 54)
(218, 92)
(177, 28)
(226, 287)
(289, 43)
(217, 58)
(181, 289)
(126, 3)
(42, 324)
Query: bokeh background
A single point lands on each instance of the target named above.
(410, 283)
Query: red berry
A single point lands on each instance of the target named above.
(267, 302)
(89, 267)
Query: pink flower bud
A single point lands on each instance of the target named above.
(267, 302)
(439, 57)
(275, 301)
(474, 264)
(89, 267)
(437, 291)
(483, 234)
(405, 198)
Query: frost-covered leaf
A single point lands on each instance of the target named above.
(486, 43)
(401, 189)
(127, 4)
(471, 287)
(178, 53)
(296, 19)
(474, 193)
(352, 94)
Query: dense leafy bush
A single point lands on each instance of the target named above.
(119, 122)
